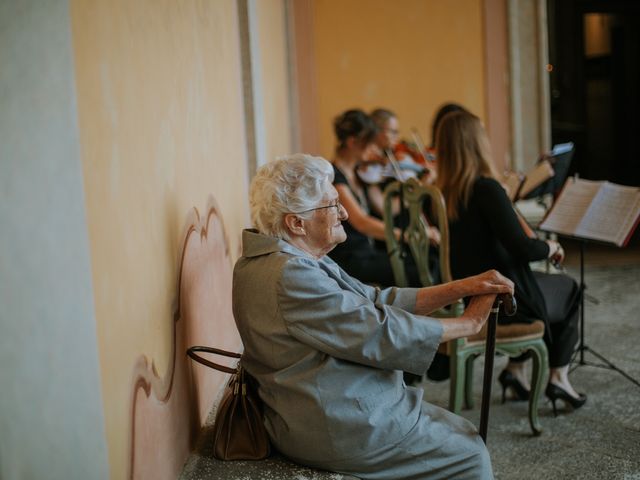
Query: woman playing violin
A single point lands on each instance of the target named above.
(411, 161)
(359, 256)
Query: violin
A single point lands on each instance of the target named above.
(416, 150)
(374, 172)
(420, 155)
(405, 149)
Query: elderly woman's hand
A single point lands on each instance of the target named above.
(490, 281)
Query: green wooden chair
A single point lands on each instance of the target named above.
(511, 340)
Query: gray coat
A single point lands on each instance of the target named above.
(328, 353)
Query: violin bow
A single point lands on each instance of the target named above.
(394, 165)
(417, 139)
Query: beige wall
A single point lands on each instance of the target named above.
(406, 55)
(161, 127)
(273, 79)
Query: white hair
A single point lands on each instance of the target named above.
(289, 184)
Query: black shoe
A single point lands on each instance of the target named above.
(554, 392)
(507, 379)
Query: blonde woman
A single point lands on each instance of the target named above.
(486, 234)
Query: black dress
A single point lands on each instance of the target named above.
(487, 235)
(359, 256)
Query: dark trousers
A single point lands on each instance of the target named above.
(562, 298)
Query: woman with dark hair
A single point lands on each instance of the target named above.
(358, 255)
(485, 233)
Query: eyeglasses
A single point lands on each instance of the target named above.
(337, 206)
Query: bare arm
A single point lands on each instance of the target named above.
(483, 288)
(358, 218)
(376, 197)
(432, 298)
(471, 321)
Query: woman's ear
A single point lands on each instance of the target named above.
(294, 224)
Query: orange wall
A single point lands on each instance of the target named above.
(161, 127)
(406, 55)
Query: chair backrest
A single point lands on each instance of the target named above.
(414, 196)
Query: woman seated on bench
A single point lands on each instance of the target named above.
(486, 233)
(328, 351)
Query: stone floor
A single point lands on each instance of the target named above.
(602, 439)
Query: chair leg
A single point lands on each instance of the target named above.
(538, 374)
(456, 382)
(468, 382)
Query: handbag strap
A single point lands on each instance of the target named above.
(216, 366)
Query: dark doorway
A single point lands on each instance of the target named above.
(594, 53)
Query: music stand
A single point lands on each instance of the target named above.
(582, 346)
(600, 212)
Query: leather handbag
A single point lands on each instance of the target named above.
(239, 432)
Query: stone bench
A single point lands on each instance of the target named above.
(203, 466)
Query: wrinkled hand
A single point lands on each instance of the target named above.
(490, 281)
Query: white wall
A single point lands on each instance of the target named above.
(51, 419)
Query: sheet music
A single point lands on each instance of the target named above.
(612, 213)
(540, 173)
(570, 207)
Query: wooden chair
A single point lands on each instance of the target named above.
(511, 340)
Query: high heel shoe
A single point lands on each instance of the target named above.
(554, 392)
(508, 379)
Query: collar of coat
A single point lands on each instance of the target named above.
(255, 244)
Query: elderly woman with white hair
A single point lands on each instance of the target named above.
(328, 351)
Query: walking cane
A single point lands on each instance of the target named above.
(509, 308)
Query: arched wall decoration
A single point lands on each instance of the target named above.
(167, 413)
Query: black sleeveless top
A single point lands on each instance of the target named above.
(356, 241)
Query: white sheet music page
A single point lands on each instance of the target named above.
(570, 206)
(612, 214)
(542, 172)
